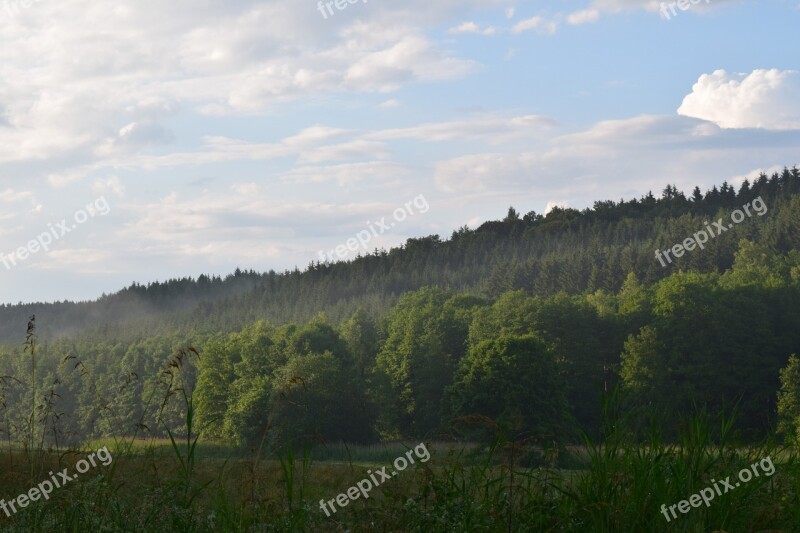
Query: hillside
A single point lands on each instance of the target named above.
(566, 250)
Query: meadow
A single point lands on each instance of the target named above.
(616, 484)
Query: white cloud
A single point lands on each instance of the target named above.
(111, 184)
(643, 130)
(107, 79)
(606, 160)
(555, 203)
(412, 58)
(77, 260)
(390, 103)
(12, 196)
(246, 189)
(465, 27)
(617, 6)
(218, 149)
(315, 134)
(471, 27)
(491, 129)
(625, 5)
(535, 23)
(224, 228)
(358, 149)
(347, 174)
(319, 144)
(754, 174)
(768, 99)
(480, 172)
(584, 16)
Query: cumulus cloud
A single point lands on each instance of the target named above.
(109, 77)
(768, 99)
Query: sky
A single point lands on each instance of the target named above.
(143, 140)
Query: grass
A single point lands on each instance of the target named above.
(460, 489)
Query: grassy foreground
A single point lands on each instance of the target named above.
(616, 486)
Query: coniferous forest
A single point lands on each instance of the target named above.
(564, 379)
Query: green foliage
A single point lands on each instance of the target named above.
(425, 341)
(502, 379)
(641, 363)
(317, 396)
(246, 418)
(712, 343)
(215, 376)
(362, 338)
(789, 401)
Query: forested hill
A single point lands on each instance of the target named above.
(566, 250)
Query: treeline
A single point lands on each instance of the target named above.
(566, 250)
(534, 365)
(444, 364)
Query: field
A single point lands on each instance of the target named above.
(505, 486)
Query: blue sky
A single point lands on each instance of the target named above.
(255, 134)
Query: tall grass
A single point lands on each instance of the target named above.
(619, 486)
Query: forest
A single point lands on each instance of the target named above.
(524, 327)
